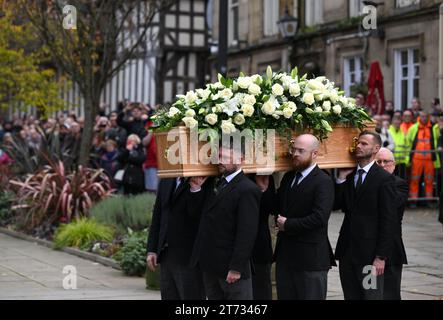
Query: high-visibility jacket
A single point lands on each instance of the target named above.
(405, 127)
(401, 149)
(412, 142)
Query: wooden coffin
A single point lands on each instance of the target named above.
(175, 158)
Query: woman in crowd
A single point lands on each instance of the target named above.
(132, 159)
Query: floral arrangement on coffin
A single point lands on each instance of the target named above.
(279, 101)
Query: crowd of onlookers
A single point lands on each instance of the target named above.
(415, 136)
(124, 147)
(122, 143)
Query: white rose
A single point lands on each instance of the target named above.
(287, 81)
(291, 105)
(325, 94)
(308, 98)
(226, 94)
(218, 108)
(319, 97)
(327, 105)
(247, 109)
(268, 107)
(211, 118)
(249, 99)
(227, 127)
(336, 109)
(334, 96)
(190, 122)
(204, 94)
(287, 113)
(315, 85)
(190, 97)
(215, 96)
(190, 113)
(239, 119)
(256, 78)
(277, 90)
(218, 85)
(244, 82)
(173, 111)
(254, 89)
(318, 109)
(294, 89)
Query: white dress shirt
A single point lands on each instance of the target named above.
(232, 175)
(366, 170)
(365, 173)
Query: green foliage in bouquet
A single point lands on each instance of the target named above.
(277, 101)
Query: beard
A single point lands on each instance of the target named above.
(363, 155)
(300, 165)
(226, 171)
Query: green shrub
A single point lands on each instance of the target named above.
(132, 256)
(82, 234)
(125, 212)
(6, 199)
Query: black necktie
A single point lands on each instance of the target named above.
(221, 184)
(298, 176)
(179, 184)
(360, 179)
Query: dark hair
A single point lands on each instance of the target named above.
(136, 105)
(374, 135)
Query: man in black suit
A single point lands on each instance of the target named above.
(394, 266)
(228, 230)
(366, 239)
(262, 252)
(175, 222)
(303, 254)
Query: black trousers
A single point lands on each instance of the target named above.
(300, 285)
(179, 281)
(218, 289)
(358, 283)
(392, 283)
(261, 282)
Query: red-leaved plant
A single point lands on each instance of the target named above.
(53, 195)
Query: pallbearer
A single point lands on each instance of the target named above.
(303, 253)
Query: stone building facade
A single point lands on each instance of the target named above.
(332, 41)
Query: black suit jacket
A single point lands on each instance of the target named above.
(304, 244)
(399, 252)
(262, 252)
(175, 220)
(370, 217)
(228, 229)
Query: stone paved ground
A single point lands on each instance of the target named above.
(30, 271)
(423, 238)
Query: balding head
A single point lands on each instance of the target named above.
(385, 159)
(309, 141)
(304, 151)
